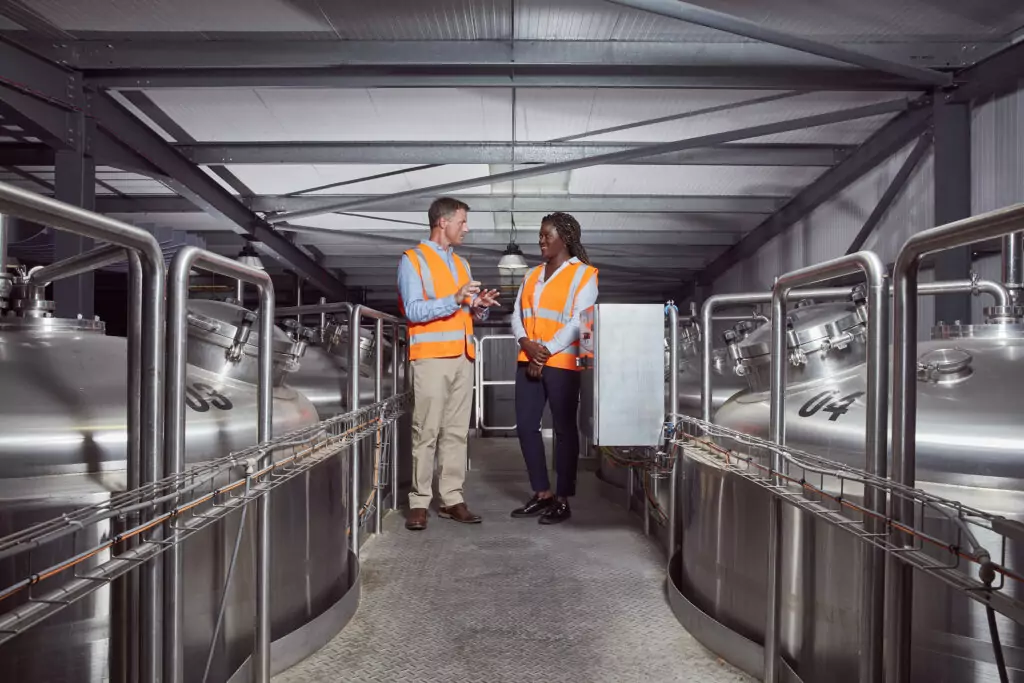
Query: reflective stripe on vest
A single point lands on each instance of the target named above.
(447, 337)
(557, 301)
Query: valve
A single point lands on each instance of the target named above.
(234, 354)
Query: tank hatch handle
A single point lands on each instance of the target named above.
(234, 353)
(942, 366)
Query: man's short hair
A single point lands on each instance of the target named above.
(444, 207)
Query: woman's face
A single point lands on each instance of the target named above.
(551, 243)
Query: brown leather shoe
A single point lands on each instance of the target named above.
(416, 520)
(459, 513)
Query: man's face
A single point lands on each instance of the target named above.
(455, 227)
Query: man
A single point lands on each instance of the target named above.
(439, 298)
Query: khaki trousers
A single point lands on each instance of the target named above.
(442, 403)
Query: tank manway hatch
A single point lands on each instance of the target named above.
(622, 401)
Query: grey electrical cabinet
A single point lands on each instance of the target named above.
(622, 355)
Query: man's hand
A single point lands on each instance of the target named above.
(467, 292)
(537, 353)
(486, 299)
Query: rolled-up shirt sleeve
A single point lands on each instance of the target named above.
(419, 309)
(586, 298)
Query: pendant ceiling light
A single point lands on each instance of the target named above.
(250, 257)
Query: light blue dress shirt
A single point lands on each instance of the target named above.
(419, 309)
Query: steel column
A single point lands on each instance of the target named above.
(673, 407)
(876, 439)
(75, 183)
(177, 310)
(900, 589)
(852, 114)
(952, 200)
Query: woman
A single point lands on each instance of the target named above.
(546, 324)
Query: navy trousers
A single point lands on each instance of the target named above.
(560, 389)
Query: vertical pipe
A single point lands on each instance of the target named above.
(5, 226)
(134, 464)
(323, 314)
(877, 441)
(298, 297)
(354, 321)
(673, 407)
(899, 586)
(152, 401)
(378, 394)
(1013, 264)
(174, 448)
(777, 433)
(263, 541)
(395, 355)
(240, 292)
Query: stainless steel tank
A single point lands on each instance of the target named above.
(323, 377)
(968, 449)
(63, 444)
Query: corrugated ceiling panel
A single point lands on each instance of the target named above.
(177, 15)
(697, 180)
(414, 19)
(534, 19)
(270, 114)
(546, 114)
(286, 178)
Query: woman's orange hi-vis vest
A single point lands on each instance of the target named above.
(448, 337)
(557, 302)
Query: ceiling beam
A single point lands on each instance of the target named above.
(199, 188)
(273, 52)
(998, 73)
(744, 77)
(26, 154)
(701, 16)
(884, 143)
(328, 239)
(486, 152)
(489, 202)
(851, 114)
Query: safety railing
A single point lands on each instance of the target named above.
(190, 500)
(835, 493)
(482, 383)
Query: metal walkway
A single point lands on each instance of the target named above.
(512, 601)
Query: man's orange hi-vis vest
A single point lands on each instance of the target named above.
(448, 337)
(557, 304)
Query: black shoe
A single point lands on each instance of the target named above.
(535, 507)
(559, 512)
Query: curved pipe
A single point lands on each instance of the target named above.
(46, 211)
(86, 262)
(904, 393)
(177, 305)
(998, 292)
(717, 301)
(876, 441)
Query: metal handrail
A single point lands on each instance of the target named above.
(961, 233)
(482, 384)
(147, 337)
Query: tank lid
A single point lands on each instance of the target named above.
(809, 326)
(222, 324)
(944, 365)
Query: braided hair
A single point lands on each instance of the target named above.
(568, 228)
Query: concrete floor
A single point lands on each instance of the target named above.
(512, 601)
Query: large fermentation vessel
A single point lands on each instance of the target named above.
(968, 449)
(63, 445)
